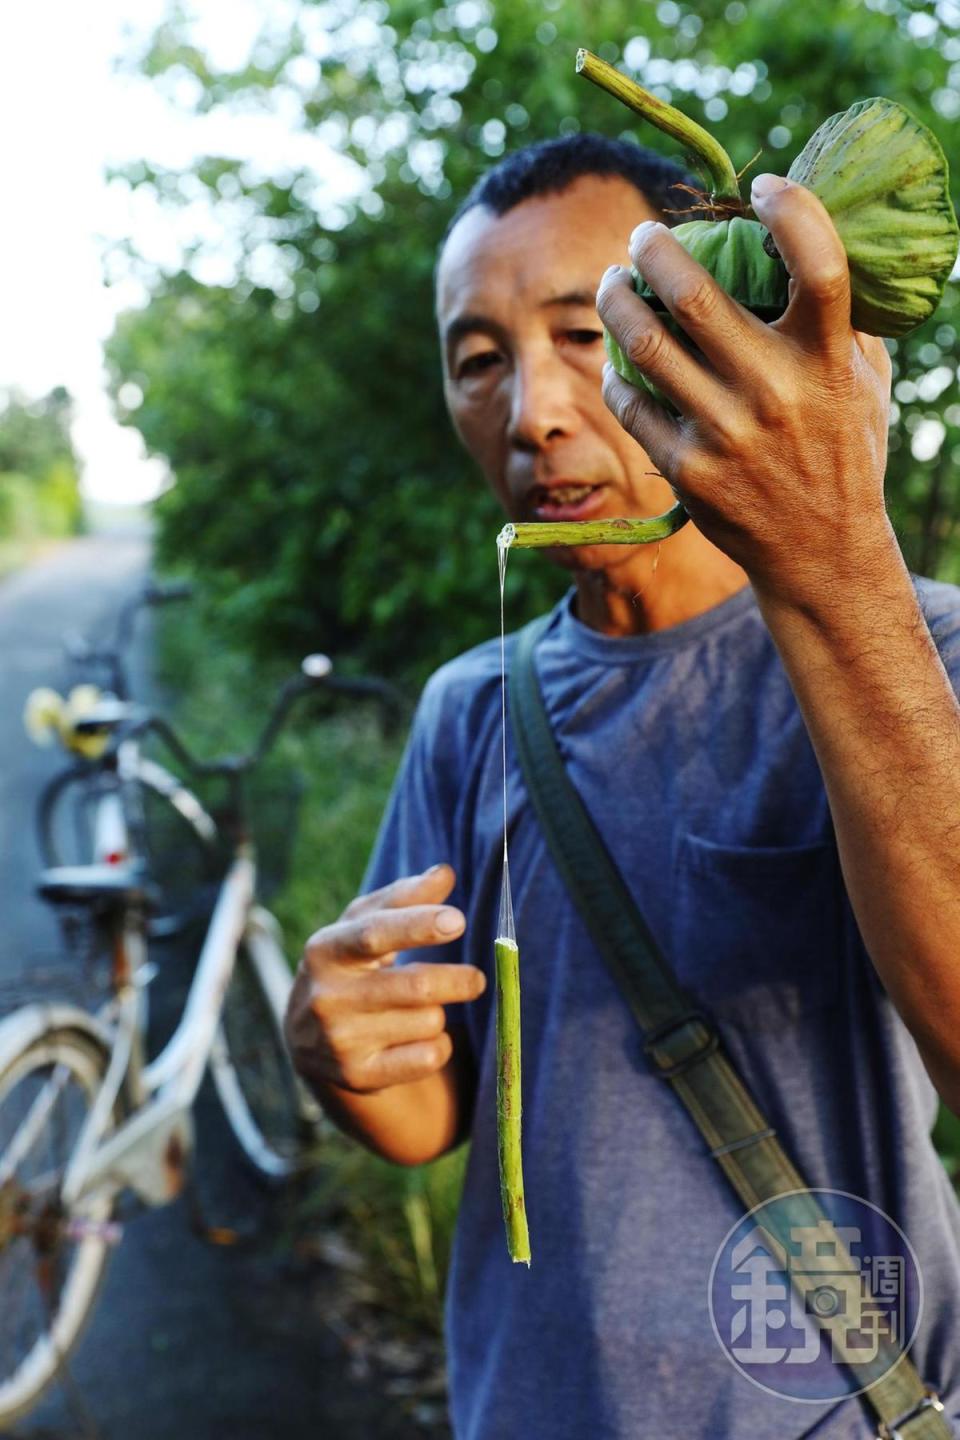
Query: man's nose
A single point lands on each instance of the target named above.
(541, 404)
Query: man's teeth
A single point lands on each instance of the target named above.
(568, 494)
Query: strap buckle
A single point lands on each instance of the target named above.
(891, 1430)
(679, 1067)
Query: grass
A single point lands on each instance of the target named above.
(400, 1220)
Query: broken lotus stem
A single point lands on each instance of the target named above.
(668, 119)
(621, 531)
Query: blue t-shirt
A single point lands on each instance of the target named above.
(690, 753)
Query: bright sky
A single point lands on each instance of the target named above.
(65, 116)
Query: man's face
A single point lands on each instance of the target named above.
(523, 351)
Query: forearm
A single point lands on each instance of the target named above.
(885, 726)
(409, 1124)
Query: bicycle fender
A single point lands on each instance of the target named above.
(32, 1021)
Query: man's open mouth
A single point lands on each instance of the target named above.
(565, 502)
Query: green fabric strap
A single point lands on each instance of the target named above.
(680, 1039)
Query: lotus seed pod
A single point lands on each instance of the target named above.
(883, 178)
(732, 251)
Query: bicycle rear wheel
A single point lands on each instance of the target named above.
(67, 815)
(253, 1074)
(52, 1260)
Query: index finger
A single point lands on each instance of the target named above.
(722, 330)
(433, 884)
(818, 311)
(647, 344)
(373, 937)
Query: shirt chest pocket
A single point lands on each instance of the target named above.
(758, 931)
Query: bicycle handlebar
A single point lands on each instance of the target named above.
(161, 592)
(154, 592)
(313, 680)
(80, 650)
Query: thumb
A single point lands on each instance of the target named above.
(818, 313)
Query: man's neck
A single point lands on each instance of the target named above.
(651, 591)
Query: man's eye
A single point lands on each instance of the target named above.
(474, 364)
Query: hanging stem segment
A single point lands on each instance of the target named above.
(507, 971)
(508, 1098)
(666, 118)
(593, 532)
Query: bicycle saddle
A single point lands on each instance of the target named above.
(118, 885)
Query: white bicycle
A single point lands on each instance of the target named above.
(84, 1115)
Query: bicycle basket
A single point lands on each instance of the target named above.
(275, 797)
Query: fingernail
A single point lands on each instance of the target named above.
(610, 270)
(606, 371)
(449, 921)
(764, 185)
(434, 868)
(645, 229)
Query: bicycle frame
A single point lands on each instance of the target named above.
(147, 1148)
(148, 1151)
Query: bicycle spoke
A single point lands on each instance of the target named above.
(32, 1127)
(51, 1259)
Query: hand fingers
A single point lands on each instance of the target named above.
(328, 1024)
(434, 884)
(421, 983)
(724, 331)
(373, 937)
(337, 1028)
(400, 1064)
(364, 1052)
(377, 1029)
(648, 344)
(643, 418)
(818, 313)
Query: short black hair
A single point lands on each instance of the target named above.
(549, 166)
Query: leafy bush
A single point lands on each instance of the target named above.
(39, 472)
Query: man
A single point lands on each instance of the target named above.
(765, 698)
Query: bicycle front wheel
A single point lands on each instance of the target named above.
(253, 1073)
(51, 1260)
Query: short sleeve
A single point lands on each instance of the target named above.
(416, 830)
(940, 603)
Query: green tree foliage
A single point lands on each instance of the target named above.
(320, 490)
(39, 472)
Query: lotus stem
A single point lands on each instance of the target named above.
(508, 1098)
(666, 118)
(538, 535)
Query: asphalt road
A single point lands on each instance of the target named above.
(188, 1340)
